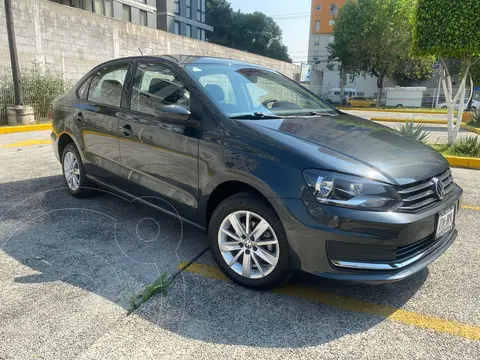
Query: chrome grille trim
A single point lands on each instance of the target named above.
(419, 196)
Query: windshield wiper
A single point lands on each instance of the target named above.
(256, 116)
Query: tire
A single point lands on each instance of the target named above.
(399, 106)
(473, 108)
(72, 161)
(444, 107)
(263, 275)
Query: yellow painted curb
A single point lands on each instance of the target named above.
(463, 162)
(416, 121)
(471, 128)
(395, 110)
(407, 317)
(24, 128)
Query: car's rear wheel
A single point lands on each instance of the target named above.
(248, 242)
(73, 172)
(474, 108)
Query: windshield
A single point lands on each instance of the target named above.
(256, 92)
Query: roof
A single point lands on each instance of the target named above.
(195, 59)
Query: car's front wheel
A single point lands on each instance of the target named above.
(73, 172)
(248, 242)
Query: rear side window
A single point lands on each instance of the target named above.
(107, 85)
(155, 86)
(82, 91)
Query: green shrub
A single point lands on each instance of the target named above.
(476, 119)
(467, 146)
(40, 87)
(411, 131)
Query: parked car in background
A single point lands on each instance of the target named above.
(333, 96)
(361, 101)
(279, 179)
(475, 105)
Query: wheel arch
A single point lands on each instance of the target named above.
(219, 190)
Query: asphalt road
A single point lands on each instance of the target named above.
(69, 267)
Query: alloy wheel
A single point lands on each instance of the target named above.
(248, 244)
(71, 169)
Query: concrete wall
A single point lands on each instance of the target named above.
(72, 41)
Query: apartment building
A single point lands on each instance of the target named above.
(323, 14)
(181, 17)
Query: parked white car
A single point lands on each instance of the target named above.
(475, 105)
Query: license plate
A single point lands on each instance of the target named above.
(446, 220)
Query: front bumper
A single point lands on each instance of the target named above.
(364, 246)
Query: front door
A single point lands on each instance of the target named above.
(97, 119)
(158, 153)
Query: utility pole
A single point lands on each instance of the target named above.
(13, 53)
(18, 114)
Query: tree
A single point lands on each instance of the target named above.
(373, 37)
(255, 32)
(449, 29)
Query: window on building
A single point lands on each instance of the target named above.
(188, 30)
(155, 86)
(316, 40)
(176, 9)
(331, 22)
(319, 7)
(127, 13)
(109, 8)
(316, 53)
(88, 5)
(98, 7)
(204, 35)
(177, 28)
(317, 25)
(201, 10)
(333, 9)
(107, 85)
(188, 4)
(143, 18)
(199, 34)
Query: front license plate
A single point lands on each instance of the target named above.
(446, 220)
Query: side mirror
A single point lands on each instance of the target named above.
(178, 112)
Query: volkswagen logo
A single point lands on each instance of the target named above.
(439, 188)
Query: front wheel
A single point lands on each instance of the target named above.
(248, 242)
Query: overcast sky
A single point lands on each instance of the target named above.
(293, 16)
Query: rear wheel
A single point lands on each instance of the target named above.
(73, 172)
(399, 106)
(248, 242)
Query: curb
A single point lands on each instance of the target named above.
(24, 128)
(419, 121)
(463, 162)
(394, 110)
(471, 128)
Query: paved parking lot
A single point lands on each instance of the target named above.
(69, 267)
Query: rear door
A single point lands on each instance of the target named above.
(97, 119)
(159, 153)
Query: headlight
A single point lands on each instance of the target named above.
(350, 191)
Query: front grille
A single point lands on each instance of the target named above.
(377, 253)
(420, 195)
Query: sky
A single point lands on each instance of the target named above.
(293, 17)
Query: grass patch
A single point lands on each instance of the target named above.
(465, 147)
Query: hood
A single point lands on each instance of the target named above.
(357, 145)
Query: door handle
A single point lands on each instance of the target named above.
(126, 129)
(79, 117)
